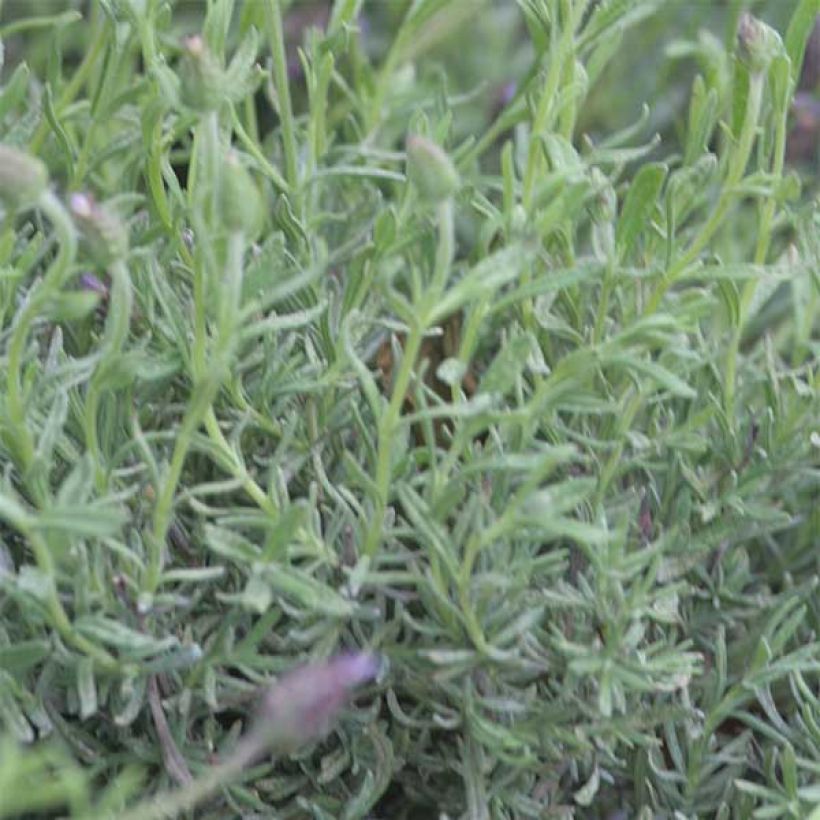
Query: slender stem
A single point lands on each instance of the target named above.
(119, 309)
(251, 145)
(15, 407)
(603, 302)
(389, 422)
(21, 441)
(203, 189)
(175, 763)
(210, 157)
(251, 122)
(488, 138)
(200, 319)
(78, 80)
(256, 493)
(203, 394)
(273, 14)
(114, 336)
(761, 250)
(230, 305)
(23, 444)
(387, 430)
(446, 246)
(560, 51)
(146, 27)
(156, 186)
(231, 291)
(737, 167)
(764, 235)
(59, 618)
(171, 805)
(206, 385)
(388, 67)
(90, 412)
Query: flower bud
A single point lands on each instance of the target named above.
(758, 44)
(430, 169)
(518, 219)
(105, 237)
(241, 205)
(303, 705)
(22, 178)
(202, 80)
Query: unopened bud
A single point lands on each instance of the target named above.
(102, 230)
(430, 169)
(518, 219)
(22, 178)
(241, 205)
(202, 80)
(91, 284)
(758, 44)
(303, 705)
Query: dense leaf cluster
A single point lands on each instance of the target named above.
(526, 403)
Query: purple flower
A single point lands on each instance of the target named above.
(90, 282)
(302, 706)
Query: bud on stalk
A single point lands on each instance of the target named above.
(758, 44)
(241, 205)
(103, 232)
(300, 708)
(202, 79)
(303, 705)
(430, 169)
(22, 178)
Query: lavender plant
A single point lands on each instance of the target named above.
(392, 342)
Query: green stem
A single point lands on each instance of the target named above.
(488, 138)
(737, 167)
(114, 336)
(207, 376)
(761, 250)
(251, 122)
(90, 412)
(230, 291)
(387, 428)
(119, 309)
(445, 249)
(273, 15)
(769, 206)
(545, 112)
(204, 183)
(201, 399)
(603, 303)
(254, 491)
(208, 380)
(208, 184)
(389, 422)
(200, 319)
(230, 307)
(78, 80)
(251, 145)
(23, 444)
(171, 805)
(59, 618)
(375, 107)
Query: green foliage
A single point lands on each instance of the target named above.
(539, 425)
